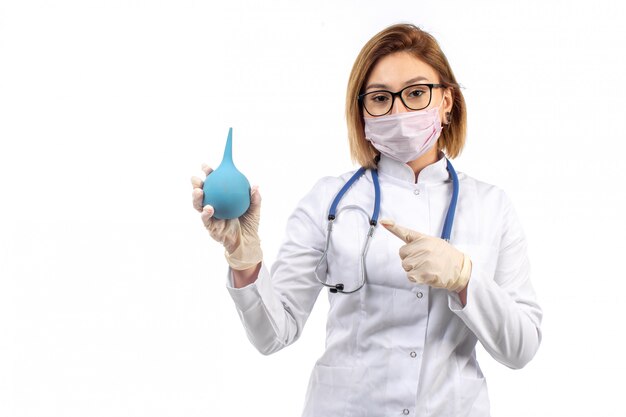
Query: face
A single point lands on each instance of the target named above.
(400, 69)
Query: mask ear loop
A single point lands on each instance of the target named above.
(447, 119)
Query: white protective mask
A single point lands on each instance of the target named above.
(404, 136)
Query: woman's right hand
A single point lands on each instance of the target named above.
(239, 236)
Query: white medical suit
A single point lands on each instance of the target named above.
(396, 348)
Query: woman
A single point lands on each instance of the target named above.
(394, 346)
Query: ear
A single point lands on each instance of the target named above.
(446, 106)
(448, 100)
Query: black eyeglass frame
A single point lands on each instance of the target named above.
(399, 94)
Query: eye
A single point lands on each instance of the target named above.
(378, 97)
(416, 92)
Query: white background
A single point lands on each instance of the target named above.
(112, 298)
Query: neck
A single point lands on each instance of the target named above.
(423, 161)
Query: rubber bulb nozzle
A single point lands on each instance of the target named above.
(227, 189)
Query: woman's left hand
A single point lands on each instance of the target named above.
(430, 260)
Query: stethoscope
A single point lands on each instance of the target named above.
(332, 215)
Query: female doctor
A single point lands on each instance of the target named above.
(408, 301)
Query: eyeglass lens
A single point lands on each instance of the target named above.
(414, 97)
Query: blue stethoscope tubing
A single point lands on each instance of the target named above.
(332, 215)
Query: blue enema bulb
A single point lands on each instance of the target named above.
(227, 189)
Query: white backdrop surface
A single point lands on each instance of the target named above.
(112, 297)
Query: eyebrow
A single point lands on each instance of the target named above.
(408, 82)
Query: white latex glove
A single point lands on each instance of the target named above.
(239, 236)
(431, 260)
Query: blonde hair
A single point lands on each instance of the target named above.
(411, 39)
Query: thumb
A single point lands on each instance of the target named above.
(407, 235)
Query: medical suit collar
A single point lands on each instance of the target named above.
(432, 174)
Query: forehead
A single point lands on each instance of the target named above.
(395, 69)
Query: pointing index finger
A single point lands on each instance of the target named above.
(407, 235)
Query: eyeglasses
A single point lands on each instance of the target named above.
(414, 97)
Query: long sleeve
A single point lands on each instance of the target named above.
(274, 309)
(395, 347)
(501, 308)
